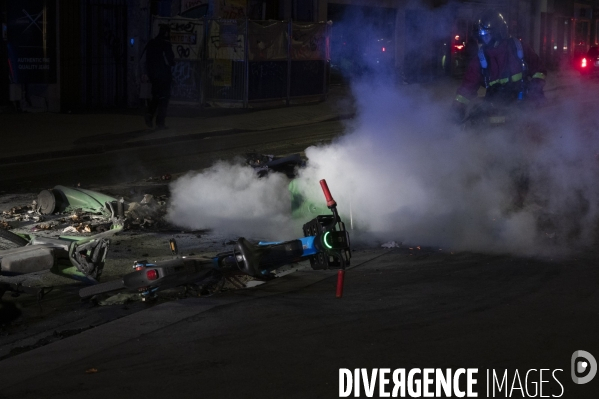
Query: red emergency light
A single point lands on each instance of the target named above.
(584, 63)
(384, 49)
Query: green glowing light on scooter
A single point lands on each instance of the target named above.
(324, 240)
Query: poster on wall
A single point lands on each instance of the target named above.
(269, 42)
(233, 47)
(31, 34)
(195, 8)
(229, 32)
(187, 36)
(231, 9)
(222, 72)
(309, 42)
(187, 5)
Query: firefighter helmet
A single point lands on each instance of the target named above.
(493, 24)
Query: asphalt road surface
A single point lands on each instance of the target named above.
(403, 309)
(131, 164)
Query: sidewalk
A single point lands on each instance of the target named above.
(34, 136)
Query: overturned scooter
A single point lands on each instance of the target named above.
(78, 257)
(325, 244)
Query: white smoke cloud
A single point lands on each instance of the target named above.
(232, 199)
(412, 176)
(403, 172)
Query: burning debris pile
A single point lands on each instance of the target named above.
(81, 222)
(147, 213)
(23, 213)
(79, 211)
(69, 228)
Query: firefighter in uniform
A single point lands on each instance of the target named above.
(506, 67)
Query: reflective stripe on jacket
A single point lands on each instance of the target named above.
(503, 66)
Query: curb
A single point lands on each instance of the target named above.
(104, 148)
(28, 365)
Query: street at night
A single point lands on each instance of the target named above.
(223, 199)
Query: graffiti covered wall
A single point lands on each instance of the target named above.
(187, 37)
(230, 9)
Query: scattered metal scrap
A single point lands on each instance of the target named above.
(90, 211)
(83, 212)
(77, 256)
(22, 213)
(148, 213)
(17, 210)
(75, 211)
(45, 226)
(86, 254)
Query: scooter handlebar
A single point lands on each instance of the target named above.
(327, 194)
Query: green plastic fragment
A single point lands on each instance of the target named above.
(79, 198)
(303, 207)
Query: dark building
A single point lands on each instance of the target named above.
(79, 54)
